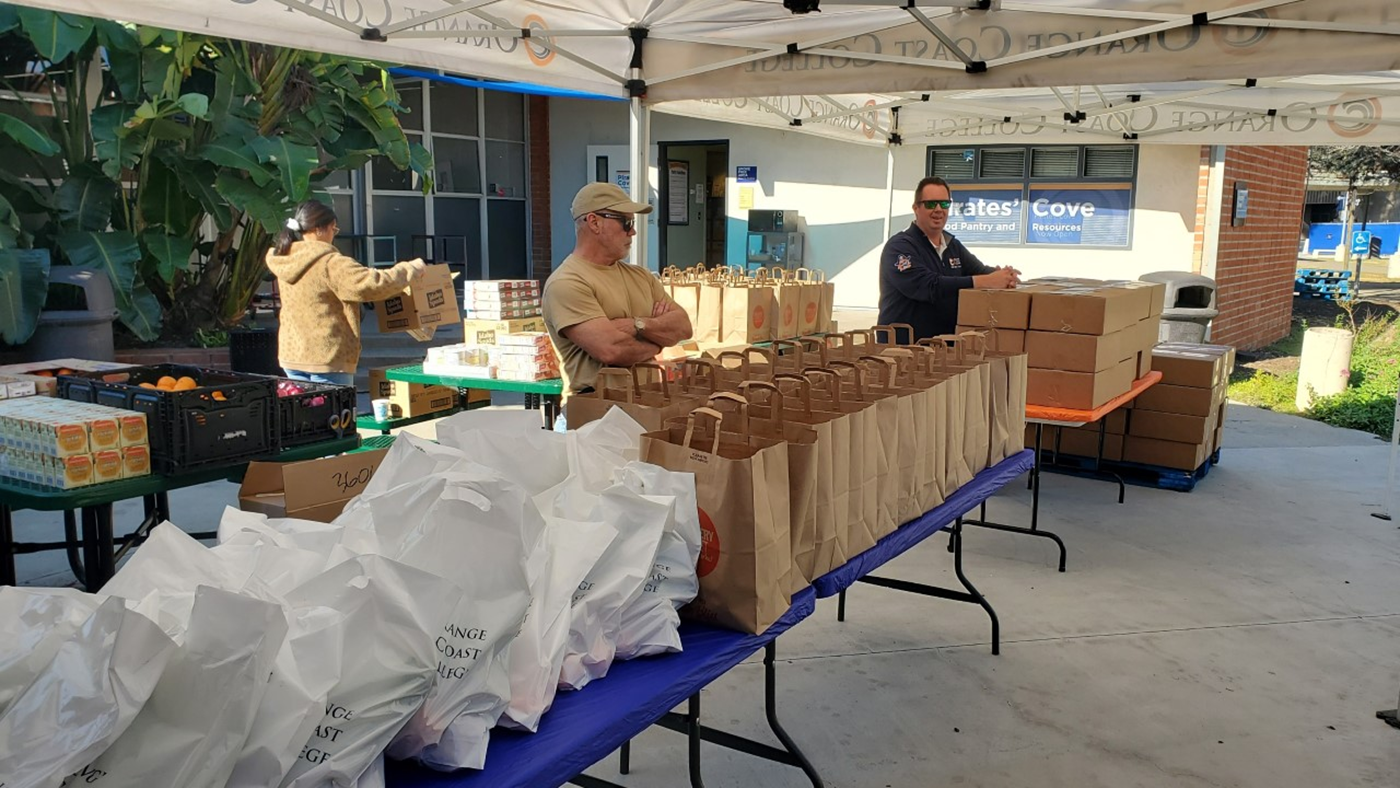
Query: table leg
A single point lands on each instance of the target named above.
(73, 545)
(1034, 530)
(98, 549)
(770, 708)
(625, 757)
(841, 605)
(8, 576)
(550, 405)
(91, 561)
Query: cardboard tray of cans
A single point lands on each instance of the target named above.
(209, 418)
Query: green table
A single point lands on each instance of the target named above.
(94, 505)
(543, 394)
(367, 421)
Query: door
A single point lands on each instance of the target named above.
(691, 203)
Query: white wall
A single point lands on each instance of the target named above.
(838, 189)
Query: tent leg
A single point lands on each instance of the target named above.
(640, 142)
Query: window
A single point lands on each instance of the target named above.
(476, 216)
(1069, 195)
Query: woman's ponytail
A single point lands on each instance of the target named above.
(309, 216)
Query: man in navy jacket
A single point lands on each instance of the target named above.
(923, 268)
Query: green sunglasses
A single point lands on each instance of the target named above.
(931, 204)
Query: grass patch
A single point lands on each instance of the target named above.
(1368, 404)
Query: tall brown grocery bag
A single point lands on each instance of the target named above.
(787, 296)
(748, 313)
(766, 418)
(685, 291)
(1016, 376)
(650, 403)
(956, 471)
(830, 494)
(827, 302)
(869, 384)
(999, 396)
(707, 324)
(848, 478)
(741, 487)
(909, 464)
(966, 355)
(809, 308)
(837, 391)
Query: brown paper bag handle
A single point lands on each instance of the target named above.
(775, 396)
(832, 384)
(633, 390)
(884, 370)
(803, 385)
(855, 375)
(743, 360)
(742, 405)
(696, 365)
(796, 346)
(660, 374)
(976, 342)
(708, 413)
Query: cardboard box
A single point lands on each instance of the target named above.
(312, 490)
(1197, 366)
(1085, 310)
(16, 385)
(1084, 442)
(1156, 295)
(483, 332)
(1143, 335)
(1166, 454)
(136, 461)
(1000, 340)
(994, 308)
(407, 400)
(53, 366)
(1187, 400)
(426, 304)
(1076, 352)
(1079, 390)
(1172, 426)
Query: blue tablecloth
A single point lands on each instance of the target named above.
(983, 486)
(584, 726)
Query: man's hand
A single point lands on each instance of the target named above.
(1000, 279)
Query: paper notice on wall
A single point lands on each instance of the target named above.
(745, 198)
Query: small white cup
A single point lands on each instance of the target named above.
(381, 409)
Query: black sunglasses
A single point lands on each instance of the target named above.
(931, 204)
(627, 222)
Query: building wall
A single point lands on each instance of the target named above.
(1255, 262)
(541, 230)
(1198, 246)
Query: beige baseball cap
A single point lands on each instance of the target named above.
(605, 197)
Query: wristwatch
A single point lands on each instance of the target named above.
(638, 326)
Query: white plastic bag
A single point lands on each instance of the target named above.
(571, 549)
(192, 729)
(392, 613)
(34, 623)
(239, 527)
(615, 581)
(84, 699)
(650, 624)
(476, 528)
(536, 458)
(599, 449)
(410, 459)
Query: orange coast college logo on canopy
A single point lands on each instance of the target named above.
(869, 121)
(1353, 115)
(539, 52)
(1241, 39)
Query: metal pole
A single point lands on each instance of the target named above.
(640, 142)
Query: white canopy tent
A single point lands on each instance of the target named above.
(1207, 70)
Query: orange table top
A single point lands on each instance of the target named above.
(1048, 413)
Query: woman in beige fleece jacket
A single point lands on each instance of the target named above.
(322, 289)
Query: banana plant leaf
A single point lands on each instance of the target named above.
(85, 200)
(171, 253)
(117, 255)
(258, 203)
(27, 135)
(164, 201)
(24, 287)
(56, 36)
(294, 163)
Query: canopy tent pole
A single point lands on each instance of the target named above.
(889, 172)
(640, 142)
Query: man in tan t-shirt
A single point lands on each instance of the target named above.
(601, 311)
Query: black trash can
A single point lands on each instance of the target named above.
(254, 350)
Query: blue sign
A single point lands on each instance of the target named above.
(1090, 215)
(987, 216)
(746, 173)
(1361, 242)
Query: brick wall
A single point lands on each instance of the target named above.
(541, 242)
(1202, 195)
(1255, 262)
(207, 358)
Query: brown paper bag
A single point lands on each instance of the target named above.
(847, 477)
(976, 410)
(831, 392)
(741, 486)
(809, 308)
(650, 403)
(787, 297)
(830, 495)
(883, 441)
(909, 463)
(747, 314)
(766, 418)
(1016, 375)
(956, 471)
(707, 324)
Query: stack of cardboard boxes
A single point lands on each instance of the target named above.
(430, 301)
(1178, 422)
(524, 356)
(1086, 341)
(501, 306)
(410, 400)
(63, 444)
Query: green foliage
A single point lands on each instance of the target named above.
(24, 280)
(1369, 401)
(212, 338)
(1356, 163)
(186, 127)
(1265, 390)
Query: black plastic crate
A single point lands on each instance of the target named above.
(322, 412)
(228, 418)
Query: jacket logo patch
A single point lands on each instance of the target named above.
(903, 263)
(955, 262)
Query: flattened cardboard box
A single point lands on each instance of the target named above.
(994, 308)
(1167, 454)
(1079, 390)
(312, 490)
(483, 332)
(407, 400)
(1085, 310)
(429, 302)
(1076, 352)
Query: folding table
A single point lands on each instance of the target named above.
(1042, 416)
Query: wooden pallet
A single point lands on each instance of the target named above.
(1325, 283)
(1135, 473)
